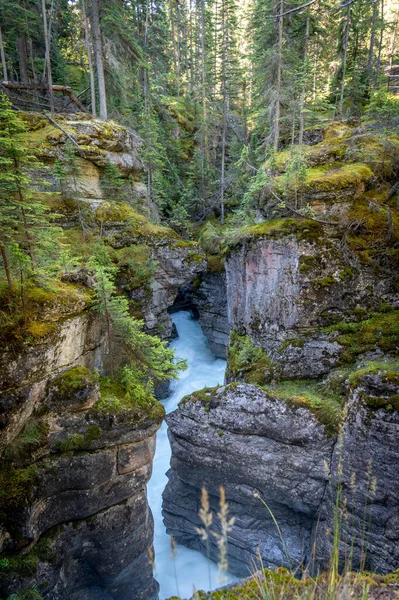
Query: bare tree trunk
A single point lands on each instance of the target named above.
(98, 51)
(226, 99)
(378, 67)
(22, 59)
(3, 58)
(89, 60)
(278, 83)
(392, 46)
(344, 59)
(372, 41)
(47, 58)
(203, 77)
(176, 59)
(6, 265)
(303, 92)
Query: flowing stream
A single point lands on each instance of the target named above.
(189, 570)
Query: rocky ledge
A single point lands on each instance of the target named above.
(283, 460)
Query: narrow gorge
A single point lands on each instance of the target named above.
(288, 406)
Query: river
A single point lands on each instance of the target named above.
(189, 570)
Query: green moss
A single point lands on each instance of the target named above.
(303, 229)
(72, 380)
(151, 231)
(203, 396)
(215, 264)
(381, 330)
(186, 244)
(38, 329)
(16, 486)
(388, 372)
(336, 178)
(247, 361)
(294, 343)
(115, 399)
(373, 226)
(194, 257)
(26, 564)
(326, 282)
(326, 406)
(308, 263)
(117, 212)
(92, 433)
(32, 437)
(73, 442)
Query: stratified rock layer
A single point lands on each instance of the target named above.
(280, 469)
(211, 298)
(251, 444)
(80, 489)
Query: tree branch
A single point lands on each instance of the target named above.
(287, 12)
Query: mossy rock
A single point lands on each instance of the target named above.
(247, 361)
(16, 491)
(386, 395)
(118, 212)
(380, 330)
(214, 264)
(74, 381)
(305, 230)
(309, 394)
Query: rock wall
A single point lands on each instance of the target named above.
(289, 291)
(242, 439)
(277, 456)
(73, 474)
(210, 296)
(365, 476)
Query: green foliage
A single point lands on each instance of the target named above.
(73, 380)
(112, 183)
(247, 361)
(147, 359)
(28, 239)
(313, 396)
(381, 330)
(383, 106)
(32, 437)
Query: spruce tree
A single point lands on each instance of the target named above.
(26, 229)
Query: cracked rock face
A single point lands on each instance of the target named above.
(257, 447)
(282, 293)
(83, 486)
(211, 300)
(250, 444)
(368, 456)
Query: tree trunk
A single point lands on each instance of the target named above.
(278, 83)
(48, 60)
(6, 265)
(98, 51)
(392, 46)
(303, 91)
(344, 59)
(3, 58)
(89, 60)
(378, 67)
(372, 42)
(22, 59)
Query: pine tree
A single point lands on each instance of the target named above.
(25, 225)
(147, 358)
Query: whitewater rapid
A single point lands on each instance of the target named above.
(189, 570)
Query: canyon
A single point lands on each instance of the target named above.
(308, 322)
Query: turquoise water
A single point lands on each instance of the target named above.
(189, 570)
